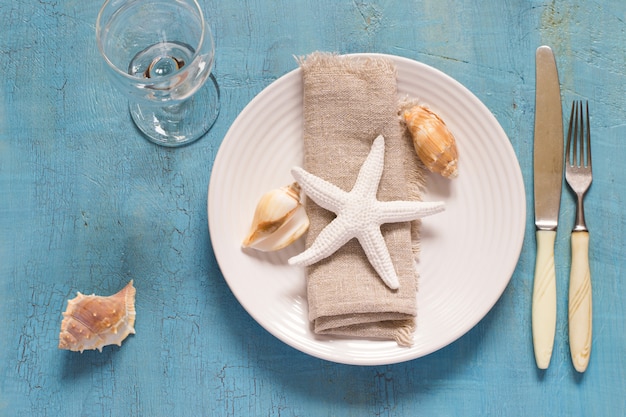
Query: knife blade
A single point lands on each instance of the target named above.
(548, 180)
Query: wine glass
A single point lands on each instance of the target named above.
(160, 53)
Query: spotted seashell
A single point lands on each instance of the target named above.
(92, 322)
(434, 143)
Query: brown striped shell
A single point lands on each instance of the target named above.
(92, 321)
(434, 143)
(279, 219)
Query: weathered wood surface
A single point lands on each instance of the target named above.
(87, 204)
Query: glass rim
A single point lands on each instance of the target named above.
(138, 80)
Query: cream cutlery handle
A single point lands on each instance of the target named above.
(544, 299)
(580, 302)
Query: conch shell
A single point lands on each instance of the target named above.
(279, 220)
(434, 143)
(92, 322)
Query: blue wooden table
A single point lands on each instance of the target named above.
(87, 204)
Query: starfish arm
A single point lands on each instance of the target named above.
(372, 170)
(325, 194)
(376, 250)
(329, 240)
(402, 211)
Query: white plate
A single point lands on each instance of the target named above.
(469, 251)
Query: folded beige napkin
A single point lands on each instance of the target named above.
(348, 102)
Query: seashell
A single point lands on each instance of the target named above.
(92, 322)
(279, 220)
(434, 143)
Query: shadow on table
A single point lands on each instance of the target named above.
(76, 365)
(314, 380)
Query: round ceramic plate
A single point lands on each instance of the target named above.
(469, 251)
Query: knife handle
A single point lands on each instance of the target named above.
(544, 299)
(580, 303)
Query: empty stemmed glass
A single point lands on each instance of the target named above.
(160, 53)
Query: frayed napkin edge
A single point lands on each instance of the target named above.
(349, 62)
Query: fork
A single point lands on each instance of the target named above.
(578, 176)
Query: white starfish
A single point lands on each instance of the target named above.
(359, 214)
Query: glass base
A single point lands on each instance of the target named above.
(183, 123)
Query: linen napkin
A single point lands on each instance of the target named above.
(348, 102)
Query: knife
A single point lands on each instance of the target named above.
(548, 179)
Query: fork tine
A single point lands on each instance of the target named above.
(569, 135)
(580, 136)
(580, 159)
(588, 130)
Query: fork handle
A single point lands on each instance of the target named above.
(580, 302)
(544, 299)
